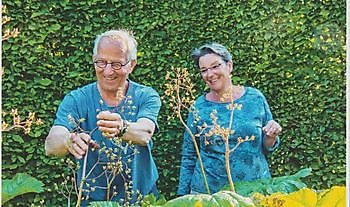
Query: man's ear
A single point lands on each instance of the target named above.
(93, 58)
(132, 65)
(230, 66)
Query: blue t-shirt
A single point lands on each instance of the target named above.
(247, 162)
(140, 102)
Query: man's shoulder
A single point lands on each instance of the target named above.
(142, 90)
(84, 90)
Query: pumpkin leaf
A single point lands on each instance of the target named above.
(334, 197)
(22, 183)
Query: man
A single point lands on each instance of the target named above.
(101, 113)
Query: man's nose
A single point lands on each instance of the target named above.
(108, 69)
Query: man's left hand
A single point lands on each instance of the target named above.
(109, 123)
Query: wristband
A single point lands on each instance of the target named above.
(124, 128)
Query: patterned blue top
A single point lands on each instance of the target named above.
(140, 102)
(247, 162)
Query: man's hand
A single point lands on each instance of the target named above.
(77, 144)
(109, 123)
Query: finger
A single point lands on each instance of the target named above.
(79, 142)
(109, 130)
(267, 128)
(107, 115)
(75, 154)
(109, 135)
(110, 124)
(85, 137)
(78, 150)
(72, 150)
(270, 124)
(272, 130)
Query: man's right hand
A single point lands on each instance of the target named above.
(77, 144)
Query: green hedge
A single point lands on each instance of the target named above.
(293, 51)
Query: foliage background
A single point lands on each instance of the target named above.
(293, 51)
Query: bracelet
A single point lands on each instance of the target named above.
(124, 128)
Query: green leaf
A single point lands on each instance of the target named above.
(221, 198)
(45, 82)
(104, 204)
(18, 139)
(21, 159)
(22, 183)
(55, 27)
(285, 184)
(36, 14)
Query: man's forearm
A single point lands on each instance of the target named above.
(55, 143)
(140, 132)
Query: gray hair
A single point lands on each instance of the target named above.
(125, 37)
(211, 48)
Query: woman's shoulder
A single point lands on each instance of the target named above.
(200, 100)
(251, 91)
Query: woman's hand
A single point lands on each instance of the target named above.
(272, 129)
(109, 123)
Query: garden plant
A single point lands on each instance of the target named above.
(293, 51)
(21, 183)
(115, 161)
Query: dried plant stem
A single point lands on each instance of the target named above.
(192, 137)
(108, 191)
(83, 178)
(228, 170)
(227, 151)
(12, 127)
(80, 195)
(109, 184)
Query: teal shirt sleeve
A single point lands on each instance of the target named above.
(150, 105)
(268, 117)
(68, 107)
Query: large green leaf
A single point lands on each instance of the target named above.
(191, 200)
(284, 184)
(151, 200)
(222, 199)
(22, 183)
(104, 204)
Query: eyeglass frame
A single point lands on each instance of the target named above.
(110, 63)
(215, 67)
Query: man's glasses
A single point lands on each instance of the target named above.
(115, 65)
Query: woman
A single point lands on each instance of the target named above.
(252, 120)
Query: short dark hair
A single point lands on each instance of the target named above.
(211, 48)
